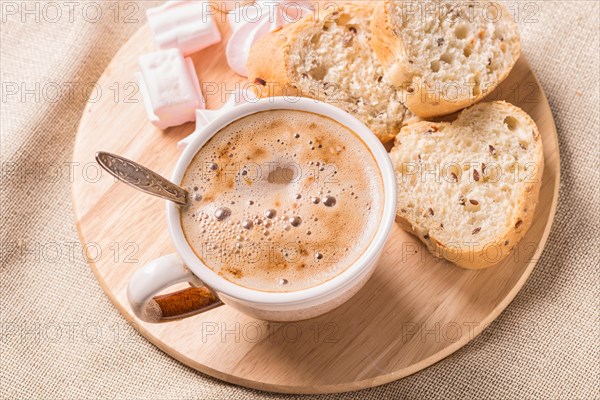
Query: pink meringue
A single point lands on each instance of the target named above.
(251, 22)
(185, 25)
(170, 88)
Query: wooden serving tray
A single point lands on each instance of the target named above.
(413, 312)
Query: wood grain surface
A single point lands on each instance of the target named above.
(413, 312)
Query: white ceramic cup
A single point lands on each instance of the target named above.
(210, 290)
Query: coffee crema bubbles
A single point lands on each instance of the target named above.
(282, 200)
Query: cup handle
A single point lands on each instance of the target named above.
(160, 274)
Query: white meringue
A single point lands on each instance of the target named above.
(170, 88)
(251, 22)
(205, 117)
(185, 25)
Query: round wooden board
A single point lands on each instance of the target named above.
(413, 312)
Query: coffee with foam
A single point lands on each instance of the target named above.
(282, 200)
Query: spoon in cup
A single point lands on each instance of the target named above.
(142, 178)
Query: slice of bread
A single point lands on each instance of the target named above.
(468, 189)
(327, 56)
(444, 55)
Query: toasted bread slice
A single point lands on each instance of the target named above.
(444, 55)
(468, 189)
(327, 56)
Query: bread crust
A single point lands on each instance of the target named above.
(268, 67)
(384, 42)
(476, 257)
(391, 52)
(269, 58)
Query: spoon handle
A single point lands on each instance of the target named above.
(141, 177)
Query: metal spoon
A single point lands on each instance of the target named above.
(141, 178)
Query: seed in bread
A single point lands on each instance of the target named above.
(444, 55)
(327, 56)
(468, 189)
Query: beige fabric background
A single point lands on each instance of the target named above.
(60, 337)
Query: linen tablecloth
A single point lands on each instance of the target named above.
(60, 336)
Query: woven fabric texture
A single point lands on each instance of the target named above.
(60, 336)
